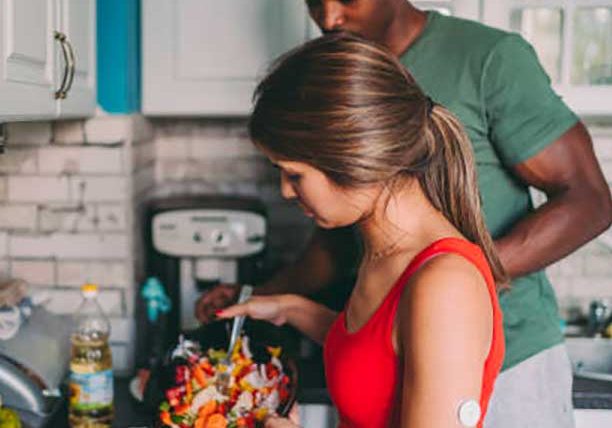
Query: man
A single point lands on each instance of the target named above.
(523, 135)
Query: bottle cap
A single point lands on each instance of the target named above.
(89, 290)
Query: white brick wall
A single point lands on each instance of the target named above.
(115, 129)
(104, 217)
(18, 217)
(99, 189)
(599, 265)
(35, 246)
(141, 129)
(91, 246)
(3, 244)
(35, 272)
(68, 218)
(37, 189)
(62, 301)
(112, 217)
(68, 189)
(172, 148)
(4, 270)
(3, 188)
(143, 155)
(81, 246)
(223, 148)
(76, 273)
(17, 160)
(28, 133)
(79, 160)
(69, 132)
(144, 180)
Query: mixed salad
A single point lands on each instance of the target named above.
(203, 396)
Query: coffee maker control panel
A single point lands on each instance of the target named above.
(208, 232)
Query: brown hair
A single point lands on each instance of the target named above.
(347, 107)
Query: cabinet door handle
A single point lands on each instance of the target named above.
(69, 68)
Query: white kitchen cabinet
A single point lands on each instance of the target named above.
(78, 23)
(39, 39)
(204, 57)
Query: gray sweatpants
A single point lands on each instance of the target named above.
(536, 393)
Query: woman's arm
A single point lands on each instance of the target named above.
(311, 318)
(444, 335)
(308, 316)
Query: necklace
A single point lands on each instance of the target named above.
(389, 249)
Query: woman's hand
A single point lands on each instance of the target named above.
(268, 308)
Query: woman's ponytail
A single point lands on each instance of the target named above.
(450, 183)
(349, 108)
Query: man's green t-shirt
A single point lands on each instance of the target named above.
(492, 81)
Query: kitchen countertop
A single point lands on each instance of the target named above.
(587, 394)
(592, 394)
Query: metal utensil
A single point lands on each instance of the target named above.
(245, 294)
(223, 379)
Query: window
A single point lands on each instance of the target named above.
(462, 8)
(573, 39)
(444, 7)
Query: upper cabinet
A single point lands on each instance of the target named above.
(204, 57)
(47, 59)
(78, 24)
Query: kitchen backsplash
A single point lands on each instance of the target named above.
(71, 191)
(216, 156)
(68, 193)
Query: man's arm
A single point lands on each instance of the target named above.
(578, 208)
(326, 255)
(322, 261)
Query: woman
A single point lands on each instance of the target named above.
(420, 341)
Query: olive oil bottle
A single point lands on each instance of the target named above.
(91, 374)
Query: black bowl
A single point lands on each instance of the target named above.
(216, 336)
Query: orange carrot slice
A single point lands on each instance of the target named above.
(200, 376)
(200, 423)
(216, 421)
(207, 409)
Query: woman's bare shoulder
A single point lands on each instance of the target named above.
(448, 293)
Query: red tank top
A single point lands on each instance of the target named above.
(362, 369)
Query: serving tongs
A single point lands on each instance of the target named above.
(223, 378)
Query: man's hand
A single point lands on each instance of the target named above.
(276, 422)
(292, 421)
(267, 308)
(214, 299)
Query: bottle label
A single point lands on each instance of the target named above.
(91, 391)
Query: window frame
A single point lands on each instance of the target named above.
(585, 100)
(469, 9)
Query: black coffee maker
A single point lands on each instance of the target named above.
(193, 243)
